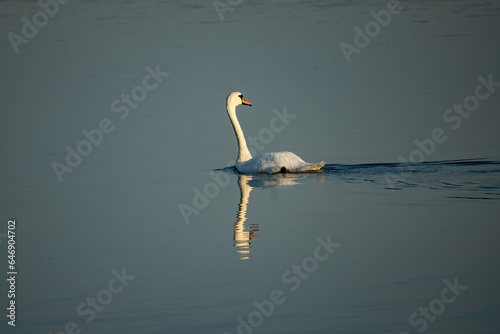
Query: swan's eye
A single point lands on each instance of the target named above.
(240, 96)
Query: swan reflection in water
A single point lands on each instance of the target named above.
(243, 235)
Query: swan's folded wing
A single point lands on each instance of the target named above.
(275, 162)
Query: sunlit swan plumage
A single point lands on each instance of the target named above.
(270, 163)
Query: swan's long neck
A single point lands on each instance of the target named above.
(243, 152)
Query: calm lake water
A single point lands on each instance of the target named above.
(150, 229)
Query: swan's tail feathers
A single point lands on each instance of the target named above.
(312, 167)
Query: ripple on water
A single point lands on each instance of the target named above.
(473, 179)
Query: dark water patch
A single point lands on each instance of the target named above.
(470, 175)
(447, 167)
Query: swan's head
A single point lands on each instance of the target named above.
(235, 99)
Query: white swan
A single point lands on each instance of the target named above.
(268, 162)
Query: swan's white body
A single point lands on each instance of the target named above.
(268, 162)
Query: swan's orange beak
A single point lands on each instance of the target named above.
(245, 102)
